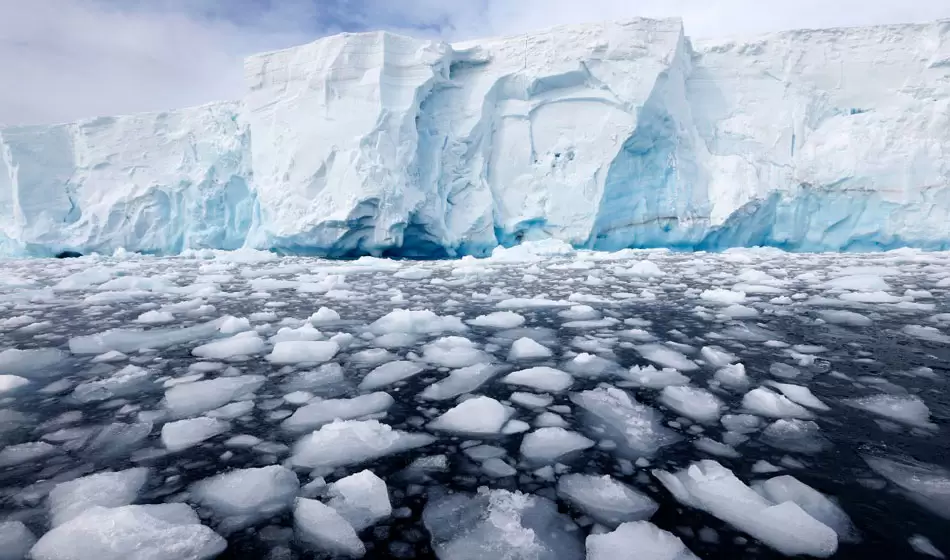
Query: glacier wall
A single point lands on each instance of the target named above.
(610, 135)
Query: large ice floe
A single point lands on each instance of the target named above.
(543, 403)
(606, 135)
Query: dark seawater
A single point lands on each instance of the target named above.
(854, 362)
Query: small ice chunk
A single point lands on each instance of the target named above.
(324, 315)
(106, 489)
(717, 357)
(459, 381)
(665, 356)
(786, 527)
(927, 485)
(651, 378)
(155, 317)
(733, 376)
(607, 500)
(722, 297)
(824, 509)
(498, 320)
(549, 445)
(543, 378)
(454, 352)
(32, 364)
(764, 467)
(716, 448)
(182, 434)
(550, 420)
(637, 540)
(362, 499)
(768, 403)
(531, 400)
(907, 409)
(527, 349)
(201, 396)
(842, 317)
(390, 373)
(416, 322)
(784, 371)
(350, 442)
(322, 412)
(243, 497)
(130, 379)
(637, 427)
(799, 436)
(319, 526)
(10, 383)
(28, 452)
(241, 344)
(741, 423)
(697, 404)
(591, 366)
(16, 540)
(858, 283)
(477, 416)
(303, 351)
(108, 357)
(153, 532)
(922, 545)
(800, 395)
(500, 524)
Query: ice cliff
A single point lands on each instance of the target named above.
(603, 135)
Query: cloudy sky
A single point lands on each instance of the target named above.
(68, 59)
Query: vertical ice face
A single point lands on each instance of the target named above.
(158, 182)
(336, 142)
(829, 139)
(606, 136)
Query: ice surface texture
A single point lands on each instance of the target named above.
(603, 135)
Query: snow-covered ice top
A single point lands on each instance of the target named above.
(606, 135)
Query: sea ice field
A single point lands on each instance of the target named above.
(544, 403)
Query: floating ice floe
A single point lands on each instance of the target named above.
(416, 322)
(498, 320)
(550, 445)
(651, 378)
(607, 500)
(454, 352)
(350, 442)
(500, 524)
(320, 527)
(768, 403)
(906, 409)
(475, 416)
(389, 373)
(637, 540)
(460, 381)
(182, 434)
(195, 398)
(107, 489)
(316, 414)
(155, 532)
(784, 526)
(244, 497)
(635, 427)
(362, 499)
(303, 351)
(667, 357)
(694, 403)
(542, 378)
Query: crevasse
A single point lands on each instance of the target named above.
(608, 135)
